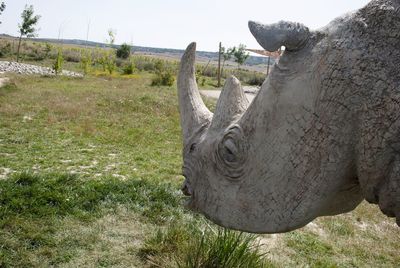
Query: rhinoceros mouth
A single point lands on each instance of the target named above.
(186, 188)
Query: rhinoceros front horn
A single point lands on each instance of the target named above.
(193, 112)
(231, 104)
(289, 34)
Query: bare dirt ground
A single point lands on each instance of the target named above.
(250, 92)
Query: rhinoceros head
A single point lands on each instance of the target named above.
(322, 134)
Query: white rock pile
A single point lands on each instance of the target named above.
(23, 68)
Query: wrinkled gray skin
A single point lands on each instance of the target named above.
(322, 134)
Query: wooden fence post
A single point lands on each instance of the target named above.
(219, 64)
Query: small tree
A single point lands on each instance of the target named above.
(111, 34)
(27, 27)
(124, 51)
(2, 7)
(57, 67)
(102, 59)
(108, 60)
(240, 55)
(110, 63)
(227, 55)
(86, 61)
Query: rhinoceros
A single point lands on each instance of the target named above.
(322, 134)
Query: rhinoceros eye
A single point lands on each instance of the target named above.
(192, 148)
(232, 153)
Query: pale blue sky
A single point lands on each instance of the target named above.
(171, 23)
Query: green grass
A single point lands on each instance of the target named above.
(92, 127)
(57, 195)
(32, 206)
(90, 174)
(311, 250)
(8, 88)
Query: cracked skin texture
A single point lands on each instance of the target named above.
(321, 135)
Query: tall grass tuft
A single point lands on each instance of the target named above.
(187, 245)
(222, 248)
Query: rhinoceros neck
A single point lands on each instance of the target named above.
(304, 157)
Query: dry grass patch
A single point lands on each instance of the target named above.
(118, 237)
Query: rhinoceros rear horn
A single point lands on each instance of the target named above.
(289, 34)
(231, 103)
(193, 112)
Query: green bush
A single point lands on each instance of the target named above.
(5, 50)
(129, 68)
(203, 81)
(164, 78)
(159, 66)
(110, 64)
(256, 79)
(124, 51)
(57, 67)
(86, 61)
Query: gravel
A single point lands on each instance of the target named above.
(23, 68)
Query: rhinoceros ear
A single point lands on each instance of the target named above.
(289, 34)
(231, 103)
(194, 113)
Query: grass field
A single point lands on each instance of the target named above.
(90, 174)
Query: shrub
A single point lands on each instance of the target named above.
(86, 61)
(57, 67)
(164, 78)
(256, 80)
(110, 64)
(124, 51)
(102, 60)
(203, 81)
(129, 68)
(159, 66)
(5, 50)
